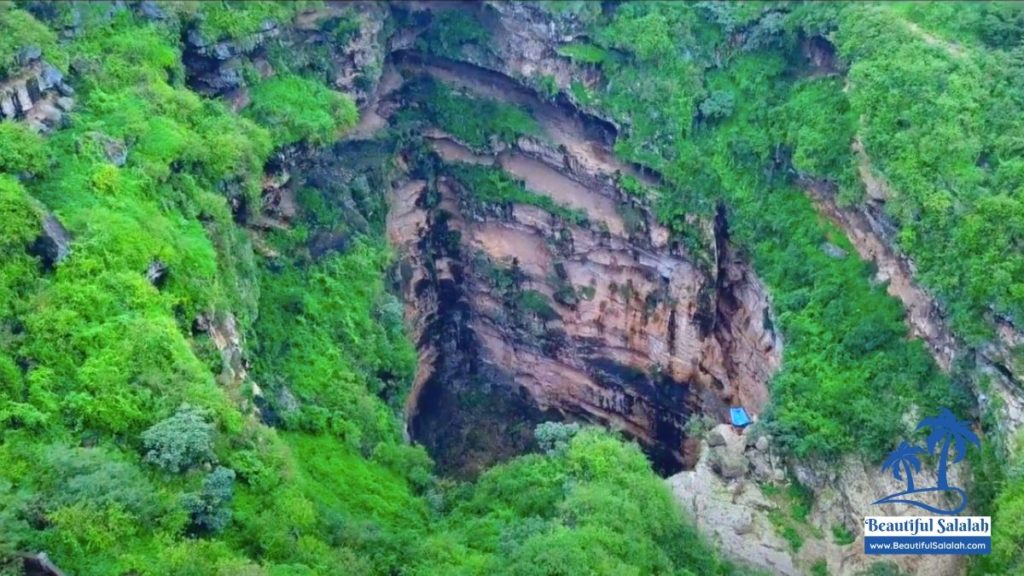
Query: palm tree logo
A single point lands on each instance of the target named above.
(904, 458)
(947, 432)
(950, 432)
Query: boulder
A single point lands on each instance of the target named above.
(49, 113)
(66, 104)
(156, 273)
(49, 77)
(722, 435)
(737, 519)
(833, 251)
(728, 463)
(761, 443)
(7, 106)
(54, 244)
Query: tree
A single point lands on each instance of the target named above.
(905, 457)
(180, 442)
(555, 436)
(946, 428)
(209, 510)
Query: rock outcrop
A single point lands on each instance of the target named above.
(345, 41)
(749, 524)
(36, 94)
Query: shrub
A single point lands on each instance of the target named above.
(555, 436)
(21, 150)
(296, 109)
(209, 510)
(842, 535)
(180, 442)
(583, 53)
(95, 476)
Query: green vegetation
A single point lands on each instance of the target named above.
(452, 31)
(583, 53)
(331, 334)
(231, 19)
(957, 200)
(563, 513)
(20, 31)
(848, 365)
(935, 101)
(473, 121)
(536, 303)
(21, 151)
(297, 109)
(127, 448)
(548, 86)
(494, 186)
(842, 535)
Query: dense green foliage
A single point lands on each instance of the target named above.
(21, 151)
(126, 444)
(331, 331)
(237, 19)
(296, 109)
(940, 122)
(125, 448)
(20, 31)
(564, 513)
(452, 31)
(583, 53)
(473, 121)
(932, 93)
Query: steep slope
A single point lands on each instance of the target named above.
(201, 369)
(240, 322)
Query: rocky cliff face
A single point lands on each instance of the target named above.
(750, 525)
(523, 315)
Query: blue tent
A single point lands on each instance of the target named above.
(739, 417)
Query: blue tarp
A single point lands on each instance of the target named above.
(739, 417)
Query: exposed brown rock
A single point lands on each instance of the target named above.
(638, 337)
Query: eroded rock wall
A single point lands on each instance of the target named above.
(625, 329)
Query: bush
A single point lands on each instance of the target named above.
(583, 53)
(97, 477)
(21, 150)
(297, 109)
(209, 510)
(181, 442)
(471, 120)
(555, 436)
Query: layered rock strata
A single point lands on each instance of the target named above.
(522, 315)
